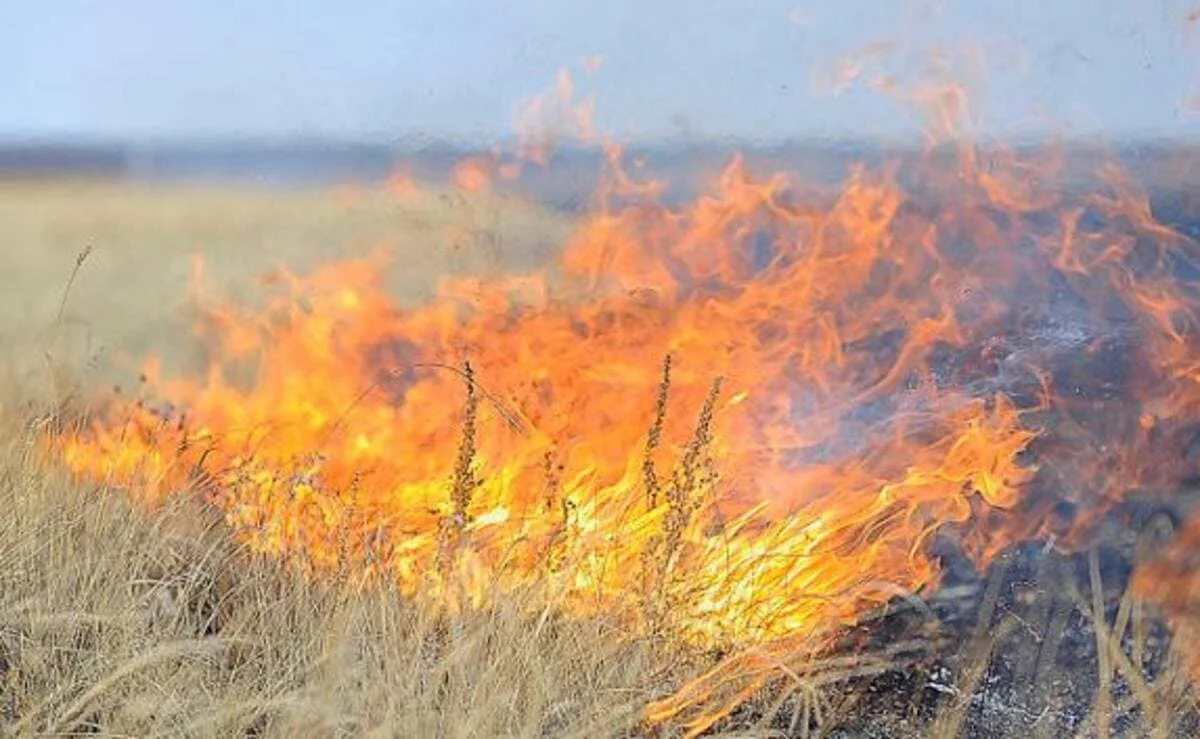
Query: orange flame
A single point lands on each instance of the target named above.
(473, 175)
(846, 377)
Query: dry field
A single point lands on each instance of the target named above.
(132, 298)
(126, 623)
(117, 621)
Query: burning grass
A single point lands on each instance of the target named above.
(116, 622)
(119, 620)
(849, 382)
(135, 297)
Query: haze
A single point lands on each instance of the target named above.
(376, 70)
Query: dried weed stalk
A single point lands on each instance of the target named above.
(684, 497)
(649, 471)
(464, 481)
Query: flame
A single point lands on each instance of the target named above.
(473, 175)
(402, 186)
(1170, 582)
(740, 420)
(555, 115)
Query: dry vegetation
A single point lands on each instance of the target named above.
(117, 621)
(125, 621)
(133, 296)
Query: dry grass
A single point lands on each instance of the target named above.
(116, 621)
(157, 623)
(132, 297)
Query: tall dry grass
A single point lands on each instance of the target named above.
(117, 620)
(126, 622)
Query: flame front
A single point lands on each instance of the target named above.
(741, 420)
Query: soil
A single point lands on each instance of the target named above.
(1012, 652)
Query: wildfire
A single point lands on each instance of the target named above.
(740, 421)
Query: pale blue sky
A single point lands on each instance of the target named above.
(378, 69)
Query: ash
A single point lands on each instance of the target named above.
(1014, 652)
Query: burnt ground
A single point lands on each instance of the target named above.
(1011, 652)
(1020, 650)
(1016, 651)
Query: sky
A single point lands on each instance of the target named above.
(695, 69)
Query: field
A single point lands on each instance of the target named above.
(129, 623)
(132, 297)
(119, 620)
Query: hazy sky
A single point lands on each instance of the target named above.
(387, 69)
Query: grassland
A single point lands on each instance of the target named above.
(116, 621)
(134, 623)
(132, 298)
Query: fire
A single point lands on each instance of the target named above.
(1170, 582)
(740, 421)
(472, 175)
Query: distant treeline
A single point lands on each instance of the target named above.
(566, 183)
(206, 161)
